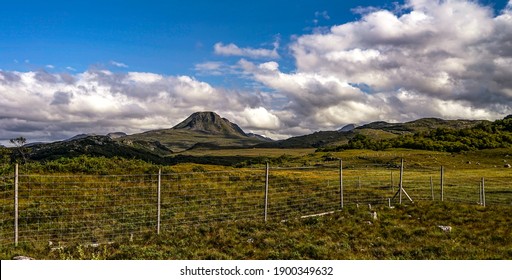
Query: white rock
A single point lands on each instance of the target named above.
(22, 258)
(445, 228)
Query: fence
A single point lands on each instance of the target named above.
(102, 208)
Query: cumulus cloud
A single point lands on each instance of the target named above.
(42, 106)
(234, 50)
(432, 58)
(447, 59)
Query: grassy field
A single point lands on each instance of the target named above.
(405, 232)
(216, 212)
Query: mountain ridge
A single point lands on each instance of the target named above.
(208, 131)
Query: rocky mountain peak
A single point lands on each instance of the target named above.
(211, 123)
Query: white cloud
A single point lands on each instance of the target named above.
(140, 77)
(257, 118)
(118, 64)
(214, 68)
(433, 58)
(234, 50)
(447, 59)
(100, 101)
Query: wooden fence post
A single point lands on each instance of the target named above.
(158, 201)
(266, 190)
(16, 204)
(483, 191)
(432, 188)
(341, 183)
(401, 181)
(442, 183)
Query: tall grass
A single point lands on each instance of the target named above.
(76, 212)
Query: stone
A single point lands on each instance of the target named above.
(22, 258)
(374, 215)
(445, 228)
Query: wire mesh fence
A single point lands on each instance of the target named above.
(103, 208)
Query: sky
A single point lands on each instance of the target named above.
(276, 68)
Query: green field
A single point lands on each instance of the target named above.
(100, 208)
(407, 232)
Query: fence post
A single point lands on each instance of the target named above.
(266, 190)
(442, 183)
(480, 194)
(16, 204)
(158, 201)
(432, 188)
(392, 182)
(401, 180)
(483, 191)
(341, 183)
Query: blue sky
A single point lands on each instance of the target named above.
(167, 37)
(279, 68)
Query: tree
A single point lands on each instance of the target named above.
(19, 143)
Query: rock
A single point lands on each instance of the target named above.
(507, 165)
(22, 258)
(373, 214)
(445, 228)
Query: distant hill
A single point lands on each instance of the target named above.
(114, 135)
(348, 127)
(260, 137)
(205, 130)
(209, 131)
(424, 124)
(94, 145)
(378, 130)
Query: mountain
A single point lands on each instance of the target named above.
(204, 131)
(79, 136)
(376, 130)
(210, 123)
(424, 124)
(114, 135)
(348, 127)
(201, 130)
(260, 137)
(95, 145)
(314, 140)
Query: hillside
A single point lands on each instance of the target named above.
(94, 145)
(207, 131)
(200, 130)
(210, 123)
(375, 131)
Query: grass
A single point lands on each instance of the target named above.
(405, 232)
(215, 212)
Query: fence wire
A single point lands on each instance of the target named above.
(103, 208)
